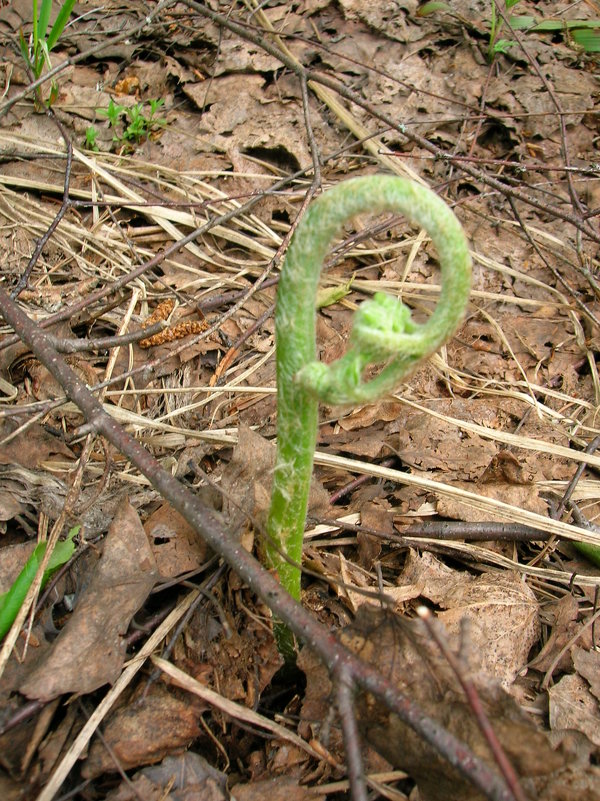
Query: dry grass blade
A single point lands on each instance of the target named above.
(230, 708)
(249, 127)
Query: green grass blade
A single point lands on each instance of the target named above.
(43, 19)
(24, 49)
(35, 25)
(591, 552)
(60, 23)
(11, 601)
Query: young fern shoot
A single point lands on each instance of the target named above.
(383, 334)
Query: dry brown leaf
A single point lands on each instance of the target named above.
(428, 443)
(501, 610)
(31, 447)
(523, 497)
(10, 790)
(386, 410)
(45, 387)
(564, 613)
(587, 664)
(247, 479)
(176, 546)
(572, 706)
(429, 577)
(283, 788)
(188, 777)
(505, 468)
(144, 732)
(236, 116)
(90, 650)
(377, 516)
(502, 613)
(12, 561)
(403, 650)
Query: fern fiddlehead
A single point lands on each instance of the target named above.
(383, 333)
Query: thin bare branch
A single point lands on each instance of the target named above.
(211, 528)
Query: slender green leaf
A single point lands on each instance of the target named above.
(431, 8)
(551, 25)
(591, 552)
(519, 23)
(43, 19)
(588, 39)
(60, 23)
(11, 601)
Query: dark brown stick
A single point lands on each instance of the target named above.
(211, 529)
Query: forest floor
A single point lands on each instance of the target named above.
(460, 493)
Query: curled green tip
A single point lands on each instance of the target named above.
(383, 336)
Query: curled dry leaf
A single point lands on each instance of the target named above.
(501, 610)
(403, 650)
(90, 650)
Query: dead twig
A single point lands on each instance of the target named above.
(354, 761)
(249, 34)
(210, 528)
(462, 674)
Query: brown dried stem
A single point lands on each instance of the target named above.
(211, 529)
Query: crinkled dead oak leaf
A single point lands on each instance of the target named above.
(90, 650)
(501, 610)
(405, 654)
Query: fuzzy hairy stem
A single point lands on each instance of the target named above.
(383, 334)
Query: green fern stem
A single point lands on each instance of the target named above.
(383, 334)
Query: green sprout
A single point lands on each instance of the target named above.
(36, 52)
(11, 601)
(90, 138)
(113, 113)
(132, 124)
(383, 334)
(496, 44)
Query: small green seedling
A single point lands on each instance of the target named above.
(132, 125)
(36, 52)
(383, 334)
(583, 34)
(91, 135)
(11, 601)
(496, 44)
(331, 295)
